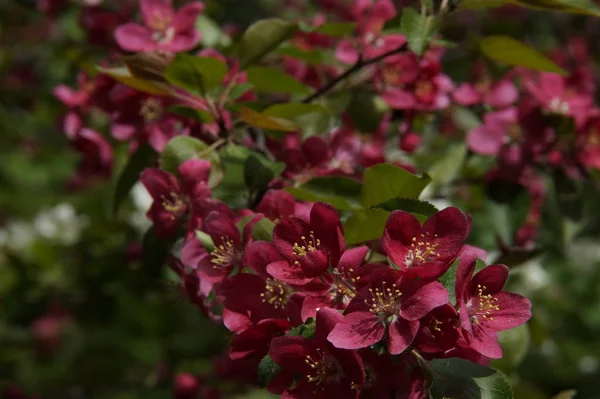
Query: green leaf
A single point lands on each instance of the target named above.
(336, 29)
(205, 240)
(446, 169)
(366, 111)
(122, 75)
(383, 182)
(274, 80)
(477, 4)
(341, 192)
(258, 173)
(461, 379)
(365, 226)
(311, 57)
(515, 343)
(155, 251)
(192, 113)
(143, 157)
(294, 110)
(263, 37)
(417, 28)
(263, 121)
(211, 34)
(239, 90)
(263, 230)
(449, 281)
(198, 75)
(512, 52)
(586, 7)
(267, 369)
(182, 148)
(464, 118)
(232, 188)
(411, 205)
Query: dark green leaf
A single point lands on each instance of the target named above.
(365, 226)
(263, 37)
(306, 330)
(259, 171)
(192, 113)
(512, 52)
(341, 192)
(198, 75)
(294, 110)
(267, 369)
(418, 29)
(263, 121)
(461, 379)
(411, 205)
(274, 80)
(366, 111)
(144, 157)
(336, 29)
(587, 7)
(383, 182)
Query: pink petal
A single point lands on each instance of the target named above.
(183, 41)
(481, 342)
(401, 227)
(291, 353)
(514, 311)
(346, 52)
(357, 330)
(486, 139)
(423, 301)
(134, 37)
(401, 334)
(259, 254)
(291, 274)
(491, 277)
(352, 259)
(398, 99)
(466, 95)
(236, 322)
(186, 16)
(156, 10)
(502, 94)
(327, 319)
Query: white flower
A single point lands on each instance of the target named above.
(60, 224)
(142, 201)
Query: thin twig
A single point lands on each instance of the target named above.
(354, 68)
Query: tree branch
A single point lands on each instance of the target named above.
(354, 68)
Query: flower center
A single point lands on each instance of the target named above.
(322, 368)
(424, 90)
(421, 250)
(150, 110)
(160, 22)
(384, 301)
(390, 74)
(309, 246)
(482, 305)
(224, 254)
(559, 106)
(173, 204)
(275, 294)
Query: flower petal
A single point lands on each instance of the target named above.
(424, 300)
(400, 228)
(401, 334)
(291, 274)
(357, 330)
(134, 37)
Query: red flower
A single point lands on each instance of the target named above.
(308, 248)
(325, 371)
(172, 200)
(392, 302)
(484, 308)
(165, 30)
(428, 250)
(438, 332)
(277, 204)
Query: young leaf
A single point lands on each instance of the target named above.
(274, 80)
(198, 75)
(142, 158)
(458, 378)
(263, 121)
(267, 369)
(211, 34)
(417, 28)
(122, 75)
(263, 230)
(341, 192)
(263, 37)
(365, 226)
(383, 182)
(446, 169)
(512, 52)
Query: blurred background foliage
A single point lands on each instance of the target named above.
(79, 317)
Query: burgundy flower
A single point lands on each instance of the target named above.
(307, 160)
(438, 332)
(389, 307)
(171, 199)
(277, 204)
(308, 248)
(428, 250)
(165, 30)
(484, 308)
(255, 341)
(325, 372)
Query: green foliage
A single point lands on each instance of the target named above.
(384, 182)
(267, 370)
(417, 28)
(123, 75)
(262, 37)
(274, 80)
(458, 378)
(365, 226)
(341, 192)
(512, 52)
(182, 148)
(198, 75)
